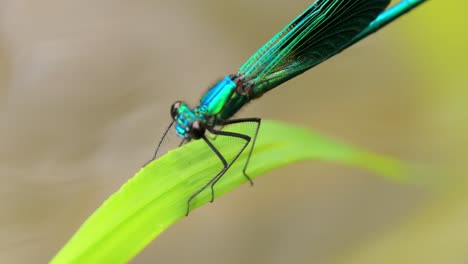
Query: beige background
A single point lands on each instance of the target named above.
(85, 91)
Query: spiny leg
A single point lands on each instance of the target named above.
(228, 134)
(247, 120)
(184, 141)
(160, 143)
(225, 167)
(212, 136)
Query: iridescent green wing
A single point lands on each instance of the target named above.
(323, 30)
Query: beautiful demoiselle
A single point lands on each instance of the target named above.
(324, 29)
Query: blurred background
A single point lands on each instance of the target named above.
(85, 91)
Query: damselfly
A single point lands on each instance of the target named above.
(324, 29)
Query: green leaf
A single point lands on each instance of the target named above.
(157, 195)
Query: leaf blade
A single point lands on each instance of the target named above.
(156, 196)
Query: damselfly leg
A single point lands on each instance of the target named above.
(226, 164)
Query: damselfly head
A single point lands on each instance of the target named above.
(187, 123)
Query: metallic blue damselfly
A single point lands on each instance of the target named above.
(324, 29)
